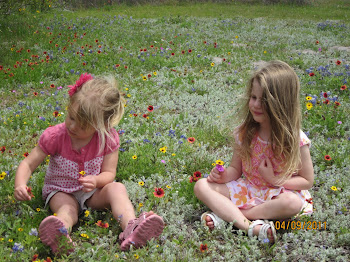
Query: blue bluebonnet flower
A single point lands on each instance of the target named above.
(17, 247)
(33, 232)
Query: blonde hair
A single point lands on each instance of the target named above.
(280, 99)
(100, 105)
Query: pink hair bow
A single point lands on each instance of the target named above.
(83, 78)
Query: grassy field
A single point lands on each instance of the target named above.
(191, 63)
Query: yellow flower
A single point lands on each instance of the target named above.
(140, 204)
(213, 164)
(265, 52)
(200, 71)
(173, 154)
(10, 240)
(38, 210)
(82, 172)
(128, 95)
(236, 36)
(116, 256)
(163, 149)
(141, 183)
(126, 88)
(55, 214)
(309, 106)
(334, 188)
(87, 213)
(212, 64)
(229, 53)
(136, 256)
(2, 175)
(155, 73)
(167, 186)
(308, 98)
(1, 239)
(144, 78)
(134, 156)
(219, 162)
(20, 229)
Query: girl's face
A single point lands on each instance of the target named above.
(255, 105)
(74, 129)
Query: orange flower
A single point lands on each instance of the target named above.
(327, 158)
(101, 224)
(203, 248)
(158, 192)
(191, 140)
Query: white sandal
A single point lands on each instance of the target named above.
(265, 225)
(218, 222)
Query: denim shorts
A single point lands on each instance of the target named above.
(80, 196)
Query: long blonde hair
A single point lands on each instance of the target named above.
(280, 100)
(100, 105)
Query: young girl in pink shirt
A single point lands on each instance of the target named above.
(83, 162)
(271, 168)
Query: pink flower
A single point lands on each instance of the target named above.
(220, 168)
(83, 78)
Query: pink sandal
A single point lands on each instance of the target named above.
(51, 230)
(140, 230)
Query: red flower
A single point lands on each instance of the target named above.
(101, 224)
(190, 50)
(126, 67)
(145, 115)
(29, 190)
(327, 158)
(311, 74)
(204, 42)
(150, 108)
(149, 75)
(191, 140)
(203, 248)
(158, 192)
(197, 174)
(1, 67)
(309, 200)
(135, 115)
(317, 42)
(55, 114)
(117, 65)
(183, 51)
(338, 62)
(325, 95)
(96, 41)
(336, 104)
(144, 50)
(326, 102)
(2, 149)
(343, 87)
(26, 154)
(35, 257)
(52, 85)
(35, 93)
(191, 179)
(172, 54)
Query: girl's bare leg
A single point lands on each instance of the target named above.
(66, 208)
(114, 196)
(284, 206)
(217, 198)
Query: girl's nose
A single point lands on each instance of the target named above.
(257, 103)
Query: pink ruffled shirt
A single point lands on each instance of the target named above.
(65, 163)
(260, 150)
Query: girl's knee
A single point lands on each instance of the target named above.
(200, 186)
(115, 187)
(292, 202)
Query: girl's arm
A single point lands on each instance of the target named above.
(107, 175)
(24, 171)
(233, 172)
(305, 177)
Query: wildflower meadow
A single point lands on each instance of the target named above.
(183, 77)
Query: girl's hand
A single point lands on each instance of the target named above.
(21, 193)
(88, 182)
(266, 171)
(216, 177)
